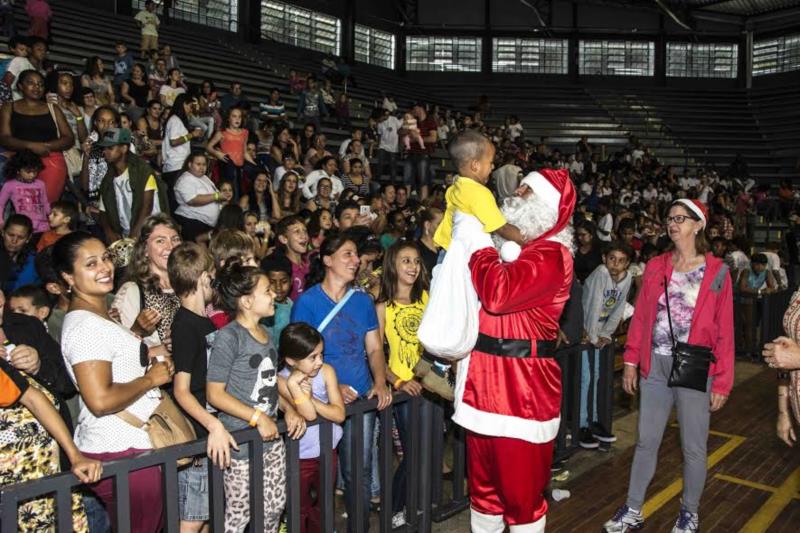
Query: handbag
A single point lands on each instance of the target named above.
(72, 156)
(690, 362)
(167, 426)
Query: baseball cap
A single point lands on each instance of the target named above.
(114, 136)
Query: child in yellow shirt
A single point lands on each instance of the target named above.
(473, 155)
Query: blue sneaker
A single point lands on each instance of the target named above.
(687, 522)
(624, 520)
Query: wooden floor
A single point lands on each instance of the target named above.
(753, 478)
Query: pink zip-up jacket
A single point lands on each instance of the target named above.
(712, 321)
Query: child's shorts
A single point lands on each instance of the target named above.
(193, 491)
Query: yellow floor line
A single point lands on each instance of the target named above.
(746, 483)
(673, 489)
(774, 505)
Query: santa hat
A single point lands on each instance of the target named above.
(696, 207)
(543, 188)
(555, 188)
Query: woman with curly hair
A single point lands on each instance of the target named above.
(146, 302)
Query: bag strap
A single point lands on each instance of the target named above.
(131, 419)
(55, 121)
(669, 317)
(335, 310)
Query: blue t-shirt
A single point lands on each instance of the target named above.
(344, 337)
(278, 322)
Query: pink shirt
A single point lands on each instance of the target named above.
(29, 199)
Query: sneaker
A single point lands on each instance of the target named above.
(624, 520)
(587, 440)
(687, 522)
(600, 433)
(557, 466)
(399, 519)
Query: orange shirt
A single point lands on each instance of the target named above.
(12, 384)
(233, 144)
(48, 238)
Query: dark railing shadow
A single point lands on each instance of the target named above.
(431, 495)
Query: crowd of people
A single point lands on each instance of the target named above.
(161, 237)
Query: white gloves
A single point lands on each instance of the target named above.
(468, 230)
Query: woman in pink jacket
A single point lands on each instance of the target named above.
(701, 305)
(40, 14)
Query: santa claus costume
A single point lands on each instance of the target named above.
(508, 390)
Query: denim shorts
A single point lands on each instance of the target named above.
(193, 491)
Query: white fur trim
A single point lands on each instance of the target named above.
(497, 425)
(691, 206)
(533, 527)
(510, 251)
(486, 523)
(542, 188)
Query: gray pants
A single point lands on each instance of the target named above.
(655, 407)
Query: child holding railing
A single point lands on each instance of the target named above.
(242, 385)
(312, 387)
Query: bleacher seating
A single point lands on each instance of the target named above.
(684, 128)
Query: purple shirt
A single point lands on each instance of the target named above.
(309, 443)
(299, 273)
(29, 199)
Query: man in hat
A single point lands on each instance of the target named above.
(508, 390)
(130, 191)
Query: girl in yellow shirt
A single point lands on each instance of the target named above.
(400, 306)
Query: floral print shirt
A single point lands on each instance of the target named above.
(684, 288)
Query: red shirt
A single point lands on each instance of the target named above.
(425, 128)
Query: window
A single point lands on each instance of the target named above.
(443, 54)
(537, 56)
(374, 46)
(697, 60)
(288, 24)
(222, 14)
(616, 58)
(773, 56)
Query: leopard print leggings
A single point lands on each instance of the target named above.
(237, 490)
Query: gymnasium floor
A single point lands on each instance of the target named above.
(753, 479)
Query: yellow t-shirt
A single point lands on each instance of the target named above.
(472, 198)
(402, 323)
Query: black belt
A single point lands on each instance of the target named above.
(514, 347)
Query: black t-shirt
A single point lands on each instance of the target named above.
(585, 264)
(192, 337)
(429, 258)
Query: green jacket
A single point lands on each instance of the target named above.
(139, 172)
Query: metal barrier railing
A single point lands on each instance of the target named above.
(428, 496)
(759, 320)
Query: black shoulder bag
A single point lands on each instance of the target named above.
(690, 362)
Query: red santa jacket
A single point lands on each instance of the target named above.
(509, 396)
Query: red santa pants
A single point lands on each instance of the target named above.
(508, 476)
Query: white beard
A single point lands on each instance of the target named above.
(534, 217)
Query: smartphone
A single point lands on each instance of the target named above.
(52, 98)
(365, 210)
(93, 137)
(9, 348)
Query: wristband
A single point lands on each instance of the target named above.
(302, 399)
(216, 196)
(397, 383)
(78, 119)
(187, 137)
(254, 419)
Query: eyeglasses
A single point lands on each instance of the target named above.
(678, 219)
